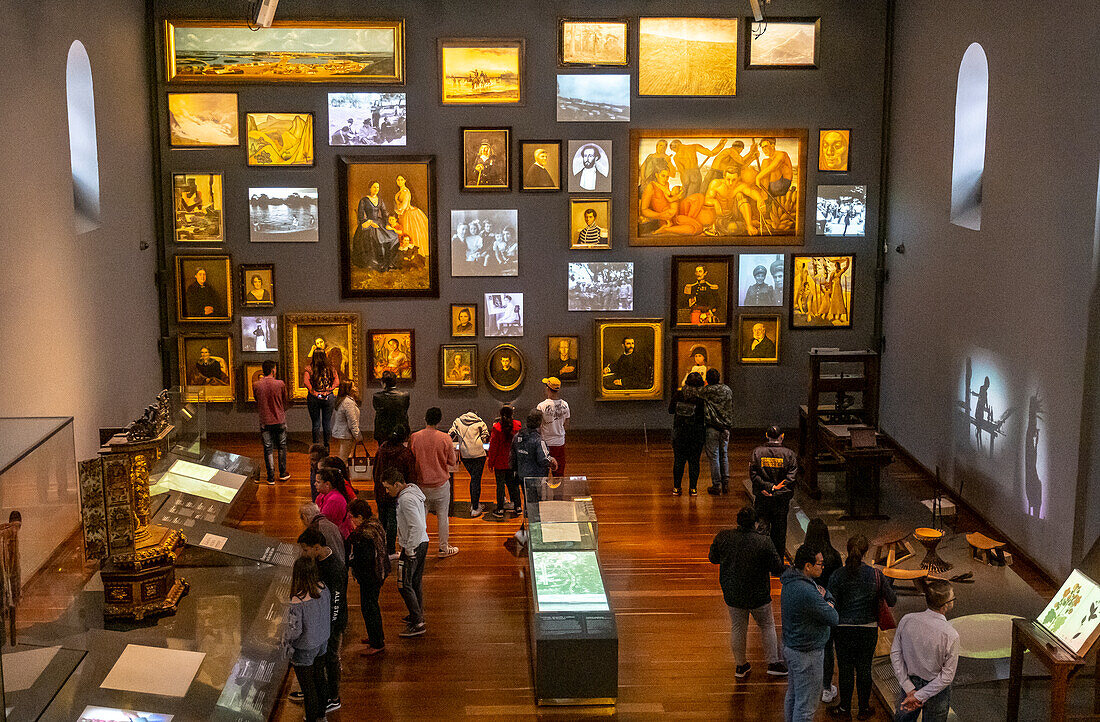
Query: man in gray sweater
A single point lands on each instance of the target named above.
(412, 535)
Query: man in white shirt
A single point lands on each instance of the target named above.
(924, 655)
(555, 420)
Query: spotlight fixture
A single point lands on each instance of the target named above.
(265, 16)
(758, 9)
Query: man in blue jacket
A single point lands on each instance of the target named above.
(808, 615)
(530, 456)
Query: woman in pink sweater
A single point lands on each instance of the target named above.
(332, 499)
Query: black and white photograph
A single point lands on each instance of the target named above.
(503, 314)
(282, 215)
(760, 279)
(590, 166)
(841, 210)
(259, 334)
(366, 119)
(601, 286)
(485, 243)
(593, 98)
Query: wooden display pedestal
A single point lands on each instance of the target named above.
(1030, 636)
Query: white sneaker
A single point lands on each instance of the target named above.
(448, 552)
(829, 695)
(476, 511)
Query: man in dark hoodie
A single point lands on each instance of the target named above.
(530, 457)
(773, 470)
(808, 616)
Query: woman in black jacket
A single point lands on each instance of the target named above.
(688, 432)
(370, 565)
(818, 539)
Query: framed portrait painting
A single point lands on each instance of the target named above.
(203, 120)
(699, 353)
(204, 288)
(280, 139)
(199, 208)
(717, 187)
(789, 43)
(257, 285)
(562, 353)
(700, 292)
(477, 71)
(629, 358)
(458, 365)
(486, 165)
(206, 367)
(259, 334)
(687, 56)
(591, 43)
(540, 162)
(336, 335)
(758, 338)
(505, 367)
(590, 223)
(252, 372)
(589, 166)
(388, 241)
(463, 320)
(392, 350)
(822, 295)
(832, 150)
(760, 279)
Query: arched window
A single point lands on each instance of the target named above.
(968, 162)
(83, 149)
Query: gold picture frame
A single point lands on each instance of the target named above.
(593, 42)
(640, 379)
(766, 352)
(205, 367)
(203, 120)
(486, 159)
(279, 139)
(481, 71)
(198, 208)
(458, 365)
(586, 235)
(208, 295)
(499, 377)
(341, 333)
(251, 371)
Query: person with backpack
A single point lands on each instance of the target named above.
(370, 565)
(530, 457)
(499, 459)
(688, 432)
(471, 433)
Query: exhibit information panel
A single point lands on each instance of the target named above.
(198, 480)
(568, 582)
(1073, 616)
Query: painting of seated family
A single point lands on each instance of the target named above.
(388, 241)
(699, 187)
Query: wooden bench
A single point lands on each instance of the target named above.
(905, 575)
(987, 550)
(891, 548)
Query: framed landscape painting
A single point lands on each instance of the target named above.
(687, 56)
(334, 334)
(782, 43)
(199, 208)
(458, 365)
(591, 43)
(476, 71)
(280, 139)
(629, 358)
(204, 288)
(392, 350)
(700, 292)
(486, 164)
(593, 98)
(290, 51)
(206, 367)
(198, 120)
(717, 187)
(388, 235)
(822, 295)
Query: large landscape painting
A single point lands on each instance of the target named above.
(687, 56)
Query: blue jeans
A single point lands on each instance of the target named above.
(717, 450)
(320, 415)
(935, 709)
(476, 467)
(273, 437)
(803, 684)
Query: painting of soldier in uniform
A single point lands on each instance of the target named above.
(199, 207)
(335, 335)
(629, 358)
(716, 187)
(700, 291)
(593, 42)
(481, 72)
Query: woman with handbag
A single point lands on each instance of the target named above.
(860, 592)
(345, 420)
(320, 380)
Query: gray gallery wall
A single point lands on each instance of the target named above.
(78, 313)
(846, 92)
(1013, 297)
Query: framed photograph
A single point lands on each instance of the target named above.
(687, 56)
(259, 334)
(590, 166)
(760, 279)
(479, 71)
(280, 139)
(392, 350)
(591, 43)
(257, 285)
(699, 353)
(505, 367)
(203, 120)
(601, 286)
(781, 43)
(486, 165)
(730, 187)
(700, 292)
(562, 353)
(503, 314)
(198, 208)
(252, 371)
(485, 243)
(282, 215)
(541, 164)
(629, 358)
(590, 223)
(205, 367)
(593, 98)
(758, 338)
(841, 210)
(832, 150)
(366, 119)
(204, 288)
(291, 51)
(388, 239)
(463, 320)
(822, 295)
(458, 365)
(336, 335)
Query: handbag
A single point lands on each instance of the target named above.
(885, 614)
(359, 466)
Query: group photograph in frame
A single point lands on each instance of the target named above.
(366, 119)
(477, 71)
(392, 350)
(505, 367)
(841, 210)
(279, 139)
(699, 353)
(259, 334)
(463, 320)
(336, 335)
(601, 286)
(206, 367)
(486, 159)
(198, 208)
(629, 358)
(822, 295)
(590, 223)
(204, 288)
(760, 279)
(687, 56)
(251, 372)
(593, 43)
(203, 120)
(283, 215)
(833, 150)
(257, 285)
(782, 43)
(503, 314)
(589, 166)
(562, 353)
(540, 161)
(388, 237)
(717, 187)
(458, 365)
(485, 242)
(758, 338)
(701, 289)
(290, 51)
(593, 98)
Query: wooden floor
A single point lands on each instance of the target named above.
(674, 657)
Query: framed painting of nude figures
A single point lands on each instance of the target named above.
(717, 187)
(388, 228)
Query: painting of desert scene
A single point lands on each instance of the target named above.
(481, 75)
(783, 44)
(592, 42)
(687, 56)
